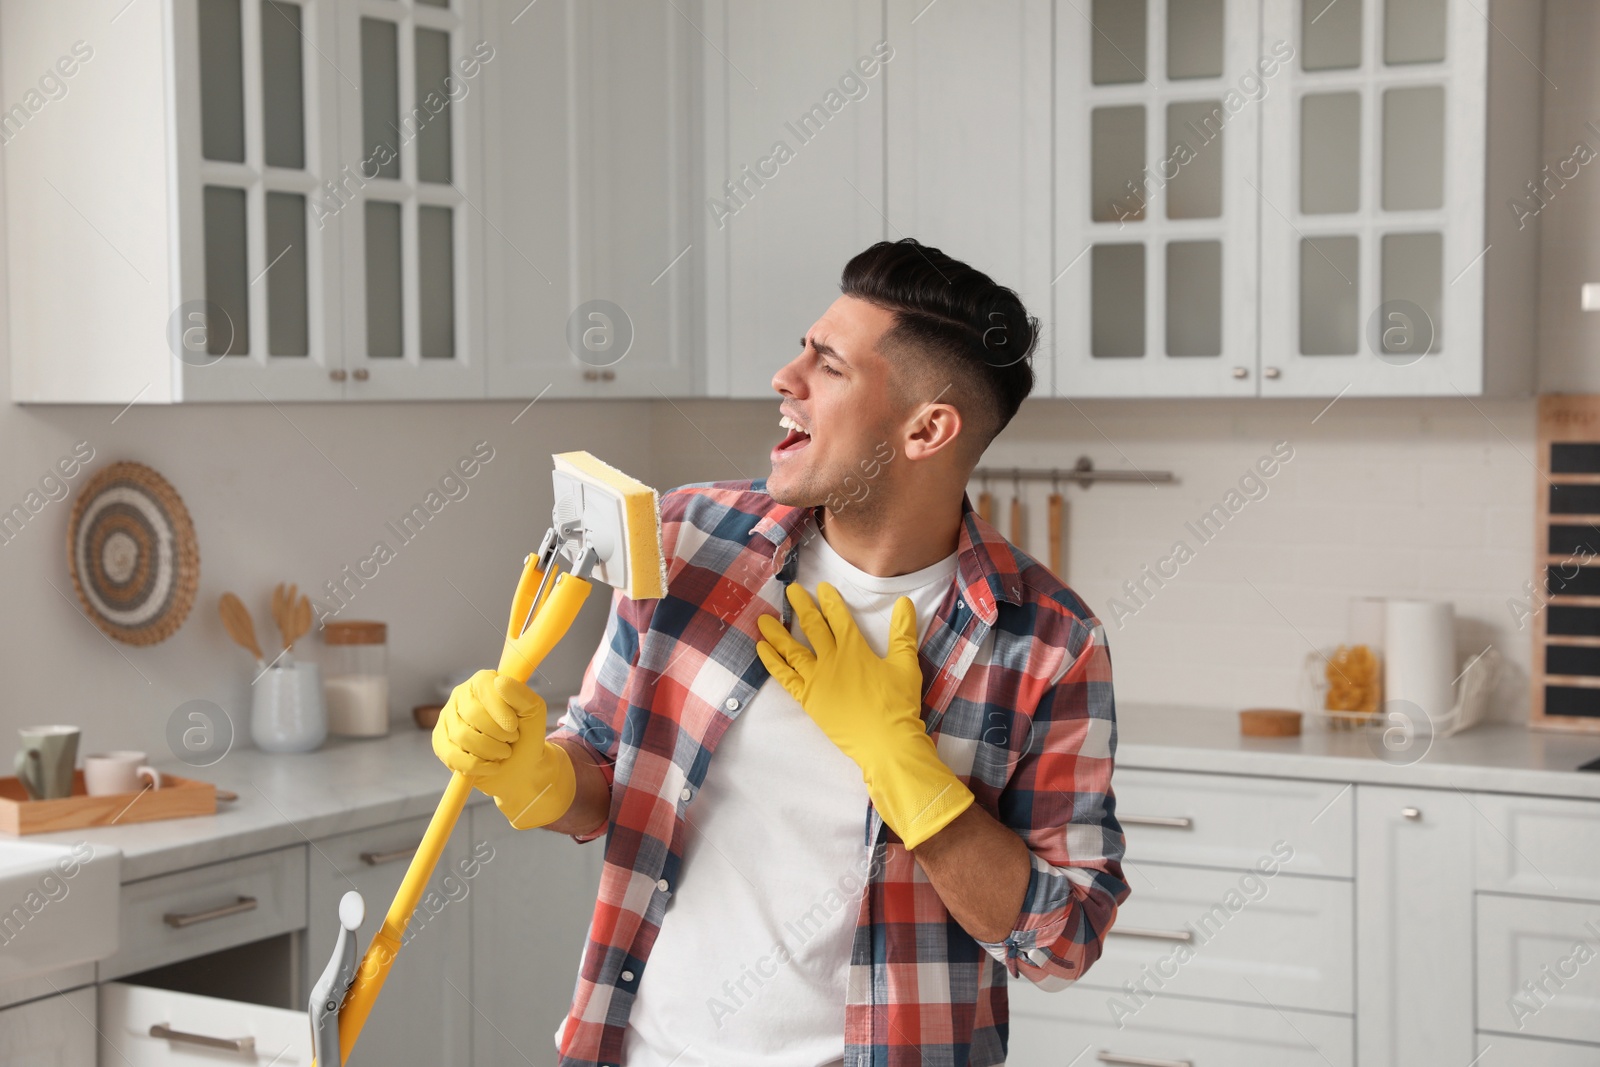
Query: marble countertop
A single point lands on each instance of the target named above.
(1491, 757)
(284, 799)
(351, 785)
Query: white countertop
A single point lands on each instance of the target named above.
(354, 784)
(1491, 757)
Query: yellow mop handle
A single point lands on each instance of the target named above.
(522, 653)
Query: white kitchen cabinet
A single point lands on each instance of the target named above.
(530, 914)
(1390, 265)
(422, 1015)
(1078, 1028)
(792, 182)
(1221, 935)
(410, 142)
(1414, 877)
(592, 253)
(159, 220)
(967, 141)
(144, 1027)
(55, 1031)
(211, 217)
(1156, 249)
(1535, 968)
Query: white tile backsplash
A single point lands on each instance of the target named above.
(1418, 498)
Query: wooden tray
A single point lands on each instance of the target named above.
(177, 797)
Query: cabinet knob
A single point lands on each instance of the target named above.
(592, 375)
(360, 374)
(1272, 372)
(1240, 372)
(1414, 814)
(336, 375)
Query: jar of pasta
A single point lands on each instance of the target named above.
(356, 680)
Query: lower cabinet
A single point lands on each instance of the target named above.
(423, 1015)
(1414, 884)
(1078, 1027)
(54, 1031)
(530, 914)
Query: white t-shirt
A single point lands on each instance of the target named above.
(751, 961)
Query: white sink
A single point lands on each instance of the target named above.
(58, 906)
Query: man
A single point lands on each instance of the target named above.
(832, 833)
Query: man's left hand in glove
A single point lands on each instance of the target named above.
(870, 706)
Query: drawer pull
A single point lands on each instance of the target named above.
(1139, 1061)
(1411, 813)
(1176, 822)
(1146, 932)
(178, 921)
(378, 859)
(230, 1044)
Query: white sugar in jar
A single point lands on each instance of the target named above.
(356, 682)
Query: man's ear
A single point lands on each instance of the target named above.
(935, 428)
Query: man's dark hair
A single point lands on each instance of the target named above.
(956, 332)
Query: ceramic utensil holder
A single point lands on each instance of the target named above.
(287, 713)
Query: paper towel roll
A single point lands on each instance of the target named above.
(1419, 652)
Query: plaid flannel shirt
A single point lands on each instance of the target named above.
(1017, 694)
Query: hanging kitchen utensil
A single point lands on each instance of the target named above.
(1019, 530)
(1057, 508)
(132, 554)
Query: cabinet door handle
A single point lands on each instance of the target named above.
(378, 859)
(1240, 372)
(1152, 934)
(1177, 822)
(1139, 1061)
(230, 1044)
(337, 375)
(178, 920)
(360, 374)
(1414, 814)
(1271, 372)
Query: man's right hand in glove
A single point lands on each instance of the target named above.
(492, 731)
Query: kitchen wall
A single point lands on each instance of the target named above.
(1415, 498)
(292, 493)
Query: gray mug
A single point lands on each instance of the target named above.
(47, 759)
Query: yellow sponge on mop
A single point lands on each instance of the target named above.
(621, 518)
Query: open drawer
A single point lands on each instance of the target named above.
(145, 1027)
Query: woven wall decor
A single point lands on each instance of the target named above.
(133, 556)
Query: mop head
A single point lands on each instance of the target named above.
(621, 518)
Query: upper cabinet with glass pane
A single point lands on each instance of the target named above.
(1389, 263)
(1154, 280)
(1293, 197)
(245, 200)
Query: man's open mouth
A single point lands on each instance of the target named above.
(796, 439)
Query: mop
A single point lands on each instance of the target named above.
(614, 522)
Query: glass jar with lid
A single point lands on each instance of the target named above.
(356, 678)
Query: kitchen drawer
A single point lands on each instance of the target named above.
(1498, 1050)
(1202, 933)
(188, 1029)
(1552, 944)
(1074, 1027)
(1212, 820)
(1538, 845)
(203, 909)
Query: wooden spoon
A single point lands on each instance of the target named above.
(300, 616)
(236, 620)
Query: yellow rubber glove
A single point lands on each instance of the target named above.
(870, 707)
(492, 731)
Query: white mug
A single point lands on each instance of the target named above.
(117, 772)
